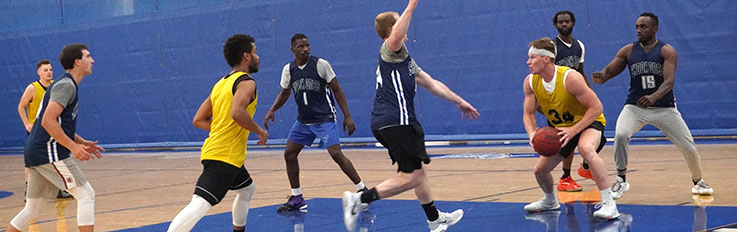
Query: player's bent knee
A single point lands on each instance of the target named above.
(622, 137)
(85, 196)
(83, 193)
(247, 192)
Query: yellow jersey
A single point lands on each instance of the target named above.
(227, 139)
(36, 102)
(560, 107)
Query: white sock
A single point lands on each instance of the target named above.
(190, 215)
(360, 186)
(241, 204)
(296, 191)
(550, 197)
(606, 195)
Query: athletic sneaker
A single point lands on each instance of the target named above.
(542, 205)
(293, 203)
(702, 188)
(585, 173)
(63, 195)
(568, 185)
(445, 220)
(351, 207)
(619, 187)
(607, 210)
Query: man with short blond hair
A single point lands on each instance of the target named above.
(396, 127)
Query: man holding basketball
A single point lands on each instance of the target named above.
(573, 108)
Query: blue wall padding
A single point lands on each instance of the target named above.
(156, 60)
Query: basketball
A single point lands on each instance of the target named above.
(546, 141)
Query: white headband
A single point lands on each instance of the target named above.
(540, 52)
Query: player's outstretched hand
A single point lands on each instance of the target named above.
(93, 148)
(468, 111)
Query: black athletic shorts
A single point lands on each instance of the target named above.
(568, 149)
(406, 145)
(217, 178)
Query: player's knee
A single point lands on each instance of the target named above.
(247, 192)
(587, 149)
(336, 155)
(290, 156)
(34, 206)
(83, 193)
(540, 171)
(622, 137)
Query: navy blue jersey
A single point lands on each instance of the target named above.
(40, 147)
(313, 95)
(569, 57)
(646, 75)
(395, 93)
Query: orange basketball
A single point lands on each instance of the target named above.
(546, 141)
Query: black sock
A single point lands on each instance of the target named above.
(431, 211)
(566, 173)
(243, 230)
(624, 178)
(695, 181)
(585, 165)
(369, 196)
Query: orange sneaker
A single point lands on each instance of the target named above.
(585, 173)
(568, 185)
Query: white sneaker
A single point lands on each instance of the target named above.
(619, 187)
(351, 207)
(607, 210)
(445, 220)
(702, 188)
(542, 205)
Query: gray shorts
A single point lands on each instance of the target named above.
(46, 180)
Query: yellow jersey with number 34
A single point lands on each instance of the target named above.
(560, 107)
(227, 139)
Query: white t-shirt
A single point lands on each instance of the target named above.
(323, 69)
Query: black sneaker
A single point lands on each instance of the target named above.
(293, 203)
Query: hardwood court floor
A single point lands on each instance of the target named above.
(136, 189)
